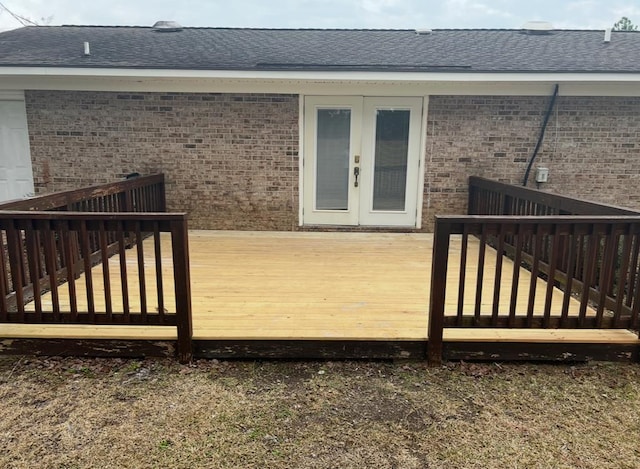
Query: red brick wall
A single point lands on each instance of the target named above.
(231, 161)
(591, 147)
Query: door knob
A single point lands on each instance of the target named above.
(356, 173)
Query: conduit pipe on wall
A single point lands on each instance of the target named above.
(541, 136)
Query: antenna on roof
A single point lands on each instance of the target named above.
(607, 35)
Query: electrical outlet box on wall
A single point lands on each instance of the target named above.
(542, 175)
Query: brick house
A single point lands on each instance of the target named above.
(282, 129)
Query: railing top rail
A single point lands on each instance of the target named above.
(93, 216)
(64, 198)
(457, 223)
(561, 202)
(531, 219)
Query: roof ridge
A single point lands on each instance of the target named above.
(234, 28)
(242, 28)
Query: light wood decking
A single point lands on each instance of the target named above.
(316, 286)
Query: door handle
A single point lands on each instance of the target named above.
(356, 173)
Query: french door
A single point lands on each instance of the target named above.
(361, 160)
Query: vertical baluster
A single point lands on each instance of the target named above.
(495, 310)
(515, 280)
(568, 288)
(580, 257)
(68, 256)
(480, 274)
(142, 203)
(33, 260)
(85, 251)
(149, 203)
(556, 242)
(123, 271)
(153, 198)
(50, 257)
(141, 272)
(104, 257)
(463, 271)
(127, 201)
(589, 270)
(159, 281)
(535, 271)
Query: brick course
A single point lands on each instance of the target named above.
(231, 160)
(591, 147)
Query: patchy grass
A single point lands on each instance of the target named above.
(86, 413)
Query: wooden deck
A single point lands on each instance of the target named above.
(315, 286)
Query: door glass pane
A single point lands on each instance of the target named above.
(332, 159)
(390, 168)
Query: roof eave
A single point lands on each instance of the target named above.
(329, 75)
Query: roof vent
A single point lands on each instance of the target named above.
(167, 27)
(607, 35)
(423, 32)
(537, 27)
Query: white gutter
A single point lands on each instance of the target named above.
(460, 77)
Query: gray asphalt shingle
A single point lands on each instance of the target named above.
(314, 49)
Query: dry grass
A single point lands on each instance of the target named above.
(81, 413)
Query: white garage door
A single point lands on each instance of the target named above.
(16, 177)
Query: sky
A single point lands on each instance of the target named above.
(389, 14)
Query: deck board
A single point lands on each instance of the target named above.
(315, 286)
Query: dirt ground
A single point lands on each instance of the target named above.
(110, 413)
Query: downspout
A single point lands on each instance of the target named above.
(541, 136)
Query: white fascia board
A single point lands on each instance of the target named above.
(312, 83)
(322, 75)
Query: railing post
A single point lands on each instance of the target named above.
(126, 201)
(472, 198)
(163, 194)
(507, 204)
(180, 250)
(440, 260)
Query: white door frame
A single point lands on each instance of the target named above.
(312, 215)
(362, 146)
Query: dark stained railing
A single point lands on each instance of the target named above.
(528, 261)
(487, 197)
(141, 194)
(60, 265)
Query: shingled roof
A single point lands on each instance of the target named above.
(315, 49)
